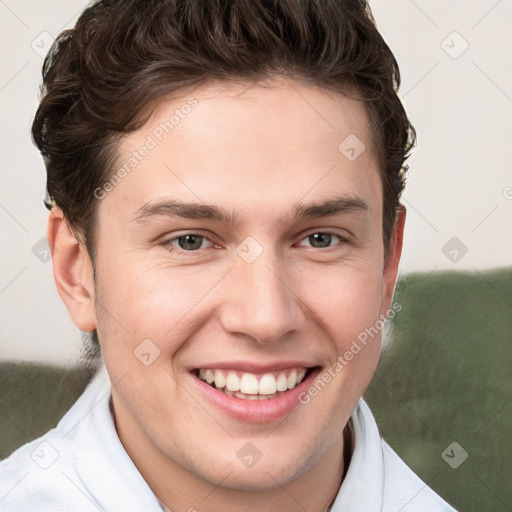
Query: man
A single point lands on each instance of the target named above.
(225, 180)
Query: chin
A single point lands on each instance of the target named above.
(262, 478)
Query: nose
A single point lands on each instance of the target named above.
(259, 300)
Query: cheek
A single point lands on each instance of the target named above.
(346, 300)
(152, 301)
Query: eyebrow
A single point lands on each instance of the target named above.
(174, 208)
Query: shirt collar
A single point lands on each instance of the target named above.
(363, 486)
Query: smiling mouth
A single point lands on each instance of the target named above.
(253, 386)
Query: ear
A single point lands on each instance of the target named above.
(72, 271)
(393, 259)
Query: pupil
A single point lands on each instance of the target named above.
(190, 242)
(320, 239)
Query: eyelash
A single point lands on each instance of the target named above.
(322, 249)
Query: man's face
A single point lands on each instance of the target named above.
(270, 292)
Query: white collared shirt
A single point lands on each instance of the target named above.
(82, 466)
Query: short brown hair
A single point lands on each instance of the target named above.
(101, 78)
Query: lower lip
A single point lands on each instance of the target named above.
(256, 411)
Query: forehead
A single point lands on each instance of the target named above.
(238, 145)
(256, 112)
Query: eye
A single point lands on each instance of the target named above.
(193, 242)
(323, 239)
(189, 242)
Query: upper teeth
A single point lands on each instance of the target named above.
(253, 384)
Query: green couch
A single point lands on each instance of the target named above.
(445, 378)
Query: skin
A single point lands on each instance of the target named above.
(257, 151)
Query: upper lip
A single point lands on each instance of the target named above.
(252, 367)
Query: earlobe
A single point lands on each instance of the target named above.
(72, 271)
(393, 259)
